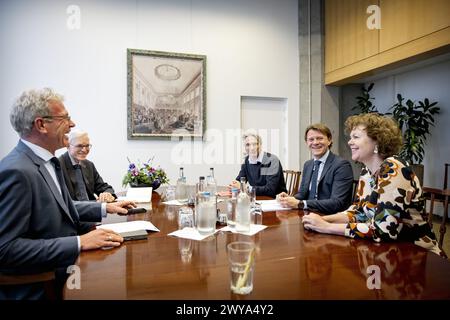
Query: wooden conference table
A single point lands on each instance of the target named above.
(290, 263)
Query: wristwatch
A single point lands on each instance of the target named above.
(301, 204)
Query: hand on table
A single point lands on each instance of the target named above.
(120, 207)
(100, 238)
(287, 201)
(105, 197)
(315, 222)
(234, 184)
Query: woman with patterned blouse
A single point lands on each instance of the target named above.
(389, 203)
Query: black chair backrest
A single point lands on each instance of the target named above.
(446, 175)
(355, 190)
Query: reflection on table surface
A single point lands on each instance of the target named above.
(290, 263)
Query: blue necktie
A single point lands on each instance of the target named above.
(313, 192)
(80, 189)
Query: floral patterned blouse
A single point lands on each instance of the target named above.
(389, 207)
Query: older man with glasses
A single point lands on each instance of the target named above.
(41, 228)
(81, 176)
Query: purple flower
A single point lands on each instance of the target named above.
(144, 173)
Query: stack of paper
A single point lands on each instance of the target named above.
(182, 202)
(271, 205)
(128, 226)
(176, 202)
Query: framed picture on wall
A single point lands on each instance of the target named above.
(166, 94)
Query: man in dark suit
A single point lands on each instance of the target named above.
(327, 179)
(41, 228)
(82, 178)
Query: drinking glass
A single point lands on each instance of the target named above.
(206, 214)
(185, 218)
(170, 193)
(251, 191)
(241, 256)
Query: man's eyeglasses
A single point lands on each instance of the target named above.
(81, 146)
(319, 139)
(67, 117)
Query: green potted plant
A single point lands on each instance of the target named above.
(363, 102)
(415, 119)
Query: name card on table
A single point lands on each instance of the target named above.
(138, 195)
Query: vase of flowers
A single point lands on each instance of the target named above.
(144, 175)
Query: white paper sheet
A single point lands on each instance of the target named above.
(254, 229)
(190, 233)
(138, 195)
(129, 226)
(176, 202)
(271, 205)
(182, 202)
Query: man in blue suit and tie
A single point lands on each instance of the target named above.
(41, 228)
(327, 179)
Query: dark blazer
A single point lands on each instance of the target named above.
(334, 189)
(267, 176)
(37, 229)
(92, 179)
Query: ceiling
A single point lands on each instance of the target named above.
(188, 71)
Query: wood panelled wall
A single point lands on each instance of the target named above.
(410, 30)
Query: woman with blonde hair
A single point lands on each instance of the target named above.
(389, 203)
(262, 170)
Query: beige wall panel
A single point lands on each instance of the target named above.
(425, 47)
(347, 38)
(405, 20)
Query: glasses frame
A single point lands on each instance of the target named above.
(82, 146)
(66, 117)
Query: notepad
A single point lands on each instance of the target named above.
(138, 195)
(129, 226)
(134, 235)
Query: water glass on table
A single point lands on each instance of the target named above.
(231, 212)
(185, 217)
(256, 213)
(206, 214)
(170, 193)
(251, 191)
(241, 257)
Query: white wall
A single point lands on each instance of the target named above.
(269, 113)
(251, 48)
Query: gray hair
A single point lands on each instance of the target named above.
(76, 134)
(30, 105)
(252, 133)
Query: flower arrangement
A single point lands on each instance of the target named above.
(144, 175)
